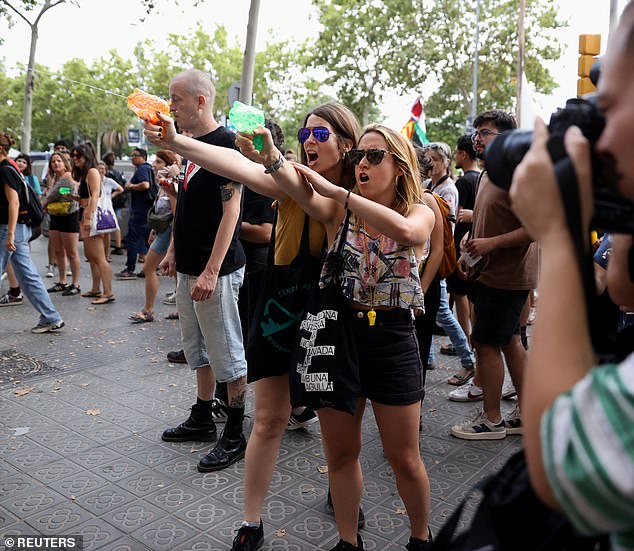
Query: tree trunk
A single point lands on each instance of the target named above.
(25, 141)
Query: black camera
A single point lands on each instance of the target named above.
(612, 211)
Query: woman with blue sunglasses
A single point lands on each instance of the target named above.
(384, 245)
(328, 133)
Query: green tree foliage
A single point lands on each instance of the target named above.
(282, 87)
(448, 47)
(368, 47)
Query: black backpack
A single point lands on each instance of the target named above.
(152, 192)
(33, 212)
(511, 517)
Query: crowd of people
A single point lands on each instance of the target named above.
(410, 248)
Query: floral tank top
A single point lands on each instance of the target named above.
(378, 272)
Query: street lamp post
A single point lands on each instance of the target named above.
(248, 62)
(474, 101)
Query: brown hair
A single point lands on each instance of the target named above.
(346, 127)
(65, 159)
(167, 156)
(6, 141)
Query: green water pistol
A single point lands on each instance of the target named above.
(246, 119)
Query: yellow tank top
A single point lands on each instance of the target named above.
(288, 232)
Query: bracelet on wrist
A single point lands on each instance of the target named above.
(271, 169)
(345, 206)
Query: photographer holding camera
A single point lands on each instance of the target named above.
(579, 421)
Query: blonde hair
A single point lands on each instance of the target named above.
(408, 189)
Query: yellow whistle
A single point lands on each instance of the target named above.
(371, 317)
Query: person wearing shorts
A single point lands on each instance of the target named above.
(509, 272)
(159, 241)
(209, 261)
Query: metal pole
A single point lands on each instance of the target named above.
(520, 64)
(474, 101)
(613, 14)
(248, 62)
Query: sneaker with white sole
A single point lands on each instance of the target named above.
(508, 390)
(170, 298)
(219, 410)
(513, 423)
(466, 393)
(10, 300)
(48, 327)
(50, 270)
(302, 420)
(473, 393)
(480, 428)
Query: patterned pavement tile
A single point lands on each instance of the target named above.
(98, 534)
(105, 499)
(124, 544)
(206, 513)
(164, 534)
(146, 482)
(175, 497)
(306, 493)
(60, 519)
(133, 515)
(18, 484)
(118, 469)
(32, 502)
(78, 484)
(55, 470)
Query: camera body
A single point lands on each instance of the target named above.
(612, 211)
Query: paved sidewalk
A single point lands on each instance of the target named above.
(82, 411)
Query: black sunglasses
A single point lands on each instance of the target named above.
(374, 156)
(321, 134)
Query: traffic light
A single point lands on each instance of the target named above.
(589, 48)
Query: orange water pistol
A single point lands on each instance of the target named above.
(146, 105)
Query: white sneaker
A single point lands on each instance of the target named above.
(50, 270)
(480, 429)
(513, 423)
(170, 298)
(466, 393)
(508, 390)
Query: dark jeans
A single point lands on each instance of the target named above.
(136, 239)
(425, 323)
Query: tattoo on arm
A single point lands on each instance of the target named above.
(226, 191)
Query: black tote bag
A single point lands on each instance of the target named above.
(280, 308)
(324, 369)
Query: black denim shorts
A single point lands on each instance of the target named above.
(390, 367)
(497, 314)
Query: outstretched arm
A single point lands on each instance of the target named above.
(293, 184)
(413, 229)
(219, 160)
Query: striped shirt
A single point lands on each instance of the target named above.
(588, 451)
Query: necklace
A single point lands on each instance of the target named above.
(371, 270)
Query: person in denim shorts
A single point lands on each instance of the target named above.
(208, 259)
(509, 272)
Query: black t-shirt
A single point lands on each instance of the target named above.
(198, 216)
(466, 185)
(256, 209)
(9, 175)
